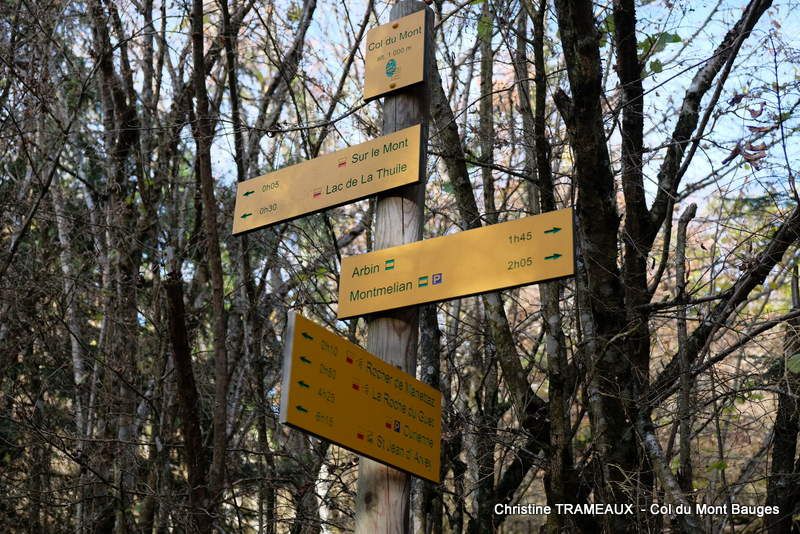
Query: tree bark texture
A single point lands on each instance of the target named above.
(203, 134)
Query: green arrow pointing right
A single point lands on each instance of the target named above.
(246, 215)
(553, 256)
(553, 230)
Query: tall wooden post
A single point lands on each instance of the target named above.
(383, 501)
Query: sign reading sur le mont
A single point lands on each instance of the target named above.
(330, 180)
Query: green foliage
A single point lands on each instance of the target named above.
(719, 465)
(656, 66)
(294, 13)
(485, 28)
(654, 44)
(607, 28)
(793, 363)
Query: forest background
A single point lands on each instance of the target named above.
(140, 342)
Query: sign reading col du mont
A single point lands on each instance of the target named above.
(395, 56)
(509, 254)
(330, 180)
(336, 390)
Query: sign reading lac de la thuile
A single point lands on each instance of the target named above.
(330, 180)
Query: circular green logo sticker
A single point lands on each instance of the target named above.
(391, 68)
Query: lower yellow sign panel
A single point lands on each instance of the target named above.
(499, 256)
(330, 180)
(337, 391)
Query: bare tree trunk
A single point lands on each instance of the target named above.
(189, 401)
(597, 223)
(484, 433)
(687, 523)
(684, 400)
(122, 127)
(486, 111)
(203, 134)
(430, 505)
(783, 485)
(561, 480)
(79, 374)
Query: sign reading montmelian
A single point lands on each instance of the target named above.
(337, 391)
(330, 180)
(509, 254)
(395, 55)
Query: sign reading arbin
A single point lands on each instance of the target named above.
(329, 180)
(499, 256)
(395, 56)
(336, 390)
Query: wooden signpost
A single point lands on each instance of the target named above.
(493, 257)
(394, 57)
(368, 401)
(338, 391)
(383, 500)
(330, 180)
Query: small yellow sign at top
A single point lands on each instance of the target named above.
(395, 55)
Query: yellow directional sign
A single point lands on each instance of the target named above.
(337, 391)
(330, 180)
(494, 257)
(395, 55)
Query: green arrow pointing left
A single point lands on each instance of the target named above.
(301, 409)
(303, 384)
